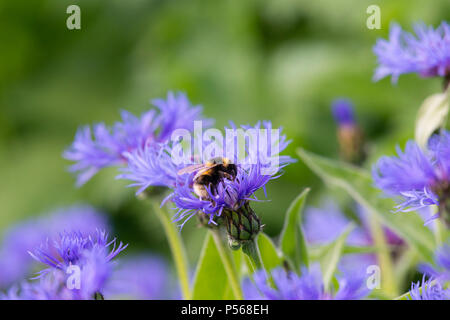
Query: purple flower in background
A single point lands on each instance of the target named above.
(349, 134)
(324, 225)
(427, 53)
(441, 271)
(91, 255)
(418, 178)
(140, 277)
(428, 290)
(308, 286)
(343, 112)
(15, 262)
(101, 146)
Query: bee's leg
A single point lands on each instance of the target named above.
(226, 175)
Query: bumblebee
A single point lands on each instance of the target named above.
(209, 174)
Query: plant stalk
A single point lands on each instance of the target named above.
(228, 264)
(177, 249)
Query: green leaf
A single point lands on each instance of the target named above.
(210, 281)
(431, 116)
(359, 185)
(269, 253)
(331, 254)
(292, 241)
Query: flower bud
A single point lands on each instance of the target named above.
(242, 225)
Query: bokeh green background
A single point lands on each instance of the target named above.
(281, 60)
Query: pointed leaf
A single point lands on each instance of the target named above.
(292, 241)
(269, 253)
(331, 255)
(210, 282)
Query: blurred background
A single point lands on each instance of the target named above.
(244, 61)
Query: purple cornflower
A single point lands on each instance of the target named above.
(427, 53)
(15, 262)
(91, 255)
(420, 178)
(140, 277)
(101, 146)
(308, 286)
(231, 194)
(428, 290)
(149, 166)
(441, 271)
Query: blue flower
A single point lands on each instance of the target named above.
(149, 166)
(102, 146)
(15, 262)
(427, 53)
(418, 178)
(92, 256)
(428, 290)
(232, 194)
(308, 286)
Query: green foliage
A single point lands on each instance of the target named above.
(359, 185)
(210, 281)
(292, 241)
(330, 256)
(269, 253)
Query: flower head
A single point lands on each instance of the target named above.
(233, 192)
(428, 290)
(417, 177)
(102, 146)
(427, 53)
(91, 255)
(308, 286)
(15, 262)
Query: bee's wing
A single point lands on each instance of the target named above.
(192, 168)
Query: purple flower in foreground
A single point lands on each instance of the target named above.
(428, 290)
(308, 286)
(427, 53)
(15, 262)
(229, 194)
(101, 146)
(418, 178)
(91, 255)
(149, 166)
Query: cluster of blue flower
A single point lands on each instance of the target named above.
(142, 148)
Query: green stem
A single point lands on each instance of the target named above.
(389, 282)
(228, 264)
(251, 249)
(177, 249)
